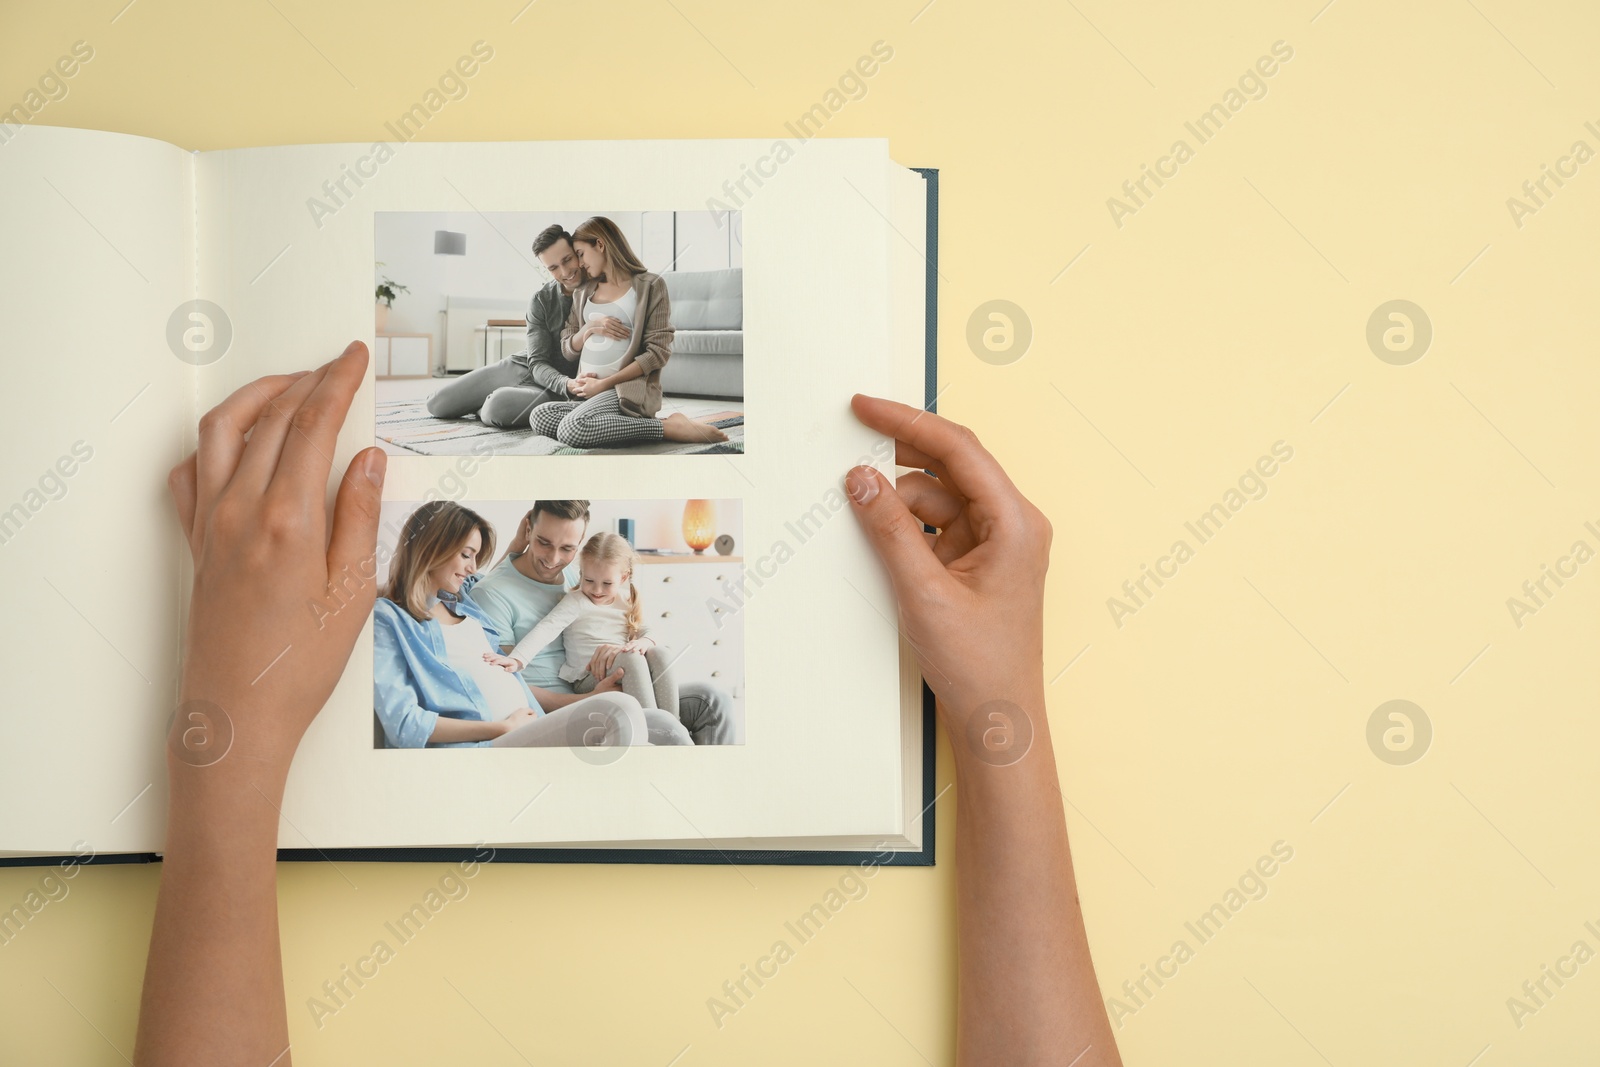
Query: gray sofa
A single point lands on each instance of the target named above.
(708, 333)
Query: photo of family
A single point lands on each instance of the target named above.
(559, 333)
(586, 624)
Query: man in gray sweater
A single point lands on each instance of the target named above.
(503, 394)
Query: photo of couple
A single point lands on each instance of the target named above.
(608, 356)
(572, 638)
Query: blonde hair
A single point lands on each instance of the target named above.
(431, 536)
(619, 254)
(611, 548)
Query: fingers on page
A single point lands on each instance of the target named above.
(929, 499)
(259, 460)
(894, 531)
(222, 434)
(973, 471)
(308, 449)
(353, 541)
(181, 485)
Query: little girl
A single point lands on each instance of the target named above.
(603, 609)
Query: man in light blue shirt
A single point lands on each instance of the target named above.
(527, 584)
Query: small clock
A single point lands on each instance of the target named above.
(724, 545)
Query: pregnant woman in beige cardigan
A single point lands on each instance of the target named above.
(620, 331)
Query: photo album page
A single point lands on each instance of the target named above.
(613, 382)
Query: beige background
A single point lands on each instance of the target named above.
(1230, 712)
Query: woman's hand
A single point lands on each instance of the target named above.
(511, 663)
(586, 385)
(516, 719)
(971, 601)
(604, 658)
(610, 326)
(611, 683)
(604, 325)
(251, 502)
(971, 596)
(257, 667)
(519, 543)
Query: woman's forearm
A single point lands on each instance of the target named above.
(1028, 992)
(447, 729)
(213, 988)
(626, 374)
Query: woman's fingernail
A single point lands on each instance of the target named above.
(375, 465)
(351, 347)
(862, 485)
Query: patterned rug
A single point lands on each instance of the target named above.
(406, 424)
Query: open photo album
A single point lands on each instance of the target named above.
(624, 612)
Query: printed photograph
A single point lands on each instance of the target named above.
(558, 623)
(559, 333)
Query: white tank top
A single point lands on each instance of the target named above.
(602, 354)
(464, 646)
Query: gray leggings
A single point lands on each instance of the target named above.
(597, 422)
(605, 719)
(501, 395)
(647, 678)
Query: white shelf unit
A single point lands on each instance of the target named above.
(676, 592)
(403, 355)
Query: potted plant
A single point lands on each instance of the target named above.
(387, 290)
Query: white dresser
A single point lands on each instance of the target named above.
(402, 355)
(677, 592)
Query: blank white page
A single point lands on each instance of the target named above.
(98, 253)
